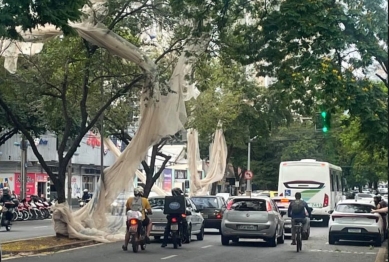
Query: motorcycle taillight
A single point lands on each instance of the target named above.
(133, 222)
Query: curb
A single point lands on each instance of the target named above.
(382, 255)
(52, 249)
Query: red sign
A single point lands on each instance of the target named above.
(248, 175)
(32, 182)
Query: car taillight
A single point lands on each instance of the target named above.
(174, 220)
(183, 215)
(268, 206)
(218, 216)
(325, 202)
(133, 222)
(229, 204)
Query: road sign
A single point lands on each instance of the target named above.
(248, 175)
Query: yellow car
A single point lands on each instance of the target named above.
(269, 194)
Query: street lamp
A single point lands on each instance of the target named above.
(248, 182)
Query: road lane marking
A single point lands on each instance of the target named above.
(343, 252)
(169, 257)
(207, 246)
(41, 227)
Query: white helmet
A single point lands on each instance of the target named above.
(138, 191)
(85, 190)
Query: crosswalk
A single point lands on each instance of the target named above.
(343, 252)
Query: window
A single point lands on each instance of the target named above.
(332, 180)
(88, 183)
(205, 202)
(180, 174)
(249, 205)
(157, 202)
(354, 208)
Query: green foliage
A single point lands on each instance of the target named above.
(28, 14)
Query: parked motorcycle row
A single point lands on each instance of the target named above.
(33, 209)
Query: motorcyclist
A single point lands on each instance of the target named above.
(86, 196)
(380, 203)
(6, 197)
(175, 192)
(296, 211)
(139, 203)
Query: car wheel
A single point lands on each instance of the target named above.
(331, 239)
(378, 241)
(225, 240)
(200, 236)
(273, 241)
(188, 236)
(281, 239)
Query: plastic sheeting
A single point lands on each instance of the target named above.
(218, 161)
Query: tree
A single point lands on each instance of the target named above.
(245, 109)
(30, 14)
(310, 48)
(68, 85)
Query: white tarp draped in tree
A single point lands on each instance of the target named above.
(217, 161)
(161, 116)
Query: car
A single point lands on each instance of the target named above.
(283, 205)
(212, 209)
(364, 197)
(268, 193)
(119, 205)
(353, 220)
(158, 218)
(252, 217)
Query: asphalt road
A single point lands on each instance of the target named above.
(27, 229)
(210, 249)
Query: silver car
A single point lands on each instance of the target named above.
(255, 217)
(158, 218)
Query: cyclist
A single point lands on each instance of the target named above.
(141, 204)
(297, 212)
(380, 203)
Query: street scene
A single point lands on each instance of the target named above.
(194, 130)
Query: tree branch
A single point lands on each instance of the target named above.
(8, 134)
(163, 166)
(154, 152)
(30, 139)
(170, 49)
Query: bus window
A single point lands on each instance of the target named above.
(332, 178)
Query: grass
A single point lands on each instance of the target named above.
(37, 244)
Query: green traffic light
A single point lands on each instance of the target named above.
(325, 129)
(324, 114)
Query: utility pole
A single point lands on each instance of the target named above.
(23, 168)
(248, 182)
(102, 135)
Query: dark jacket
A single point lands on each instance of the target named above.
(300, 215)
(5, 198)
(85, 196)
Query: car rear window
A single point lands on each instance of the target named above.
(354, 208)
(365, 195)
(249, 205)
(157, 202)
(205, 202)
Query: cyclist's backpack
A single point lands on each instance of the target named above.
(298, 207)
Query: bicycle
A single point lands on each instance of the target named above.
(298, 226)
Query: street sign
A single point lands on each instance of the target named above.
(248, 175)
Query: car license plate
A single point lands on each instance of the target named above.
(245, 227)
(205, 216)
(158, 228)
(354, 231)
(174, 227)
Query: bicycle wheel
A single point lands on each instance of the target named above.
(298, 240)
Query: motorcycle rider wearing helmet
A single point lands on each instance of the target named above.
(175, 192)
(85, 195)
(6, 197)
(139, 203)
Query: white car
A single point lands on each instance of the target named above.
(353, 220)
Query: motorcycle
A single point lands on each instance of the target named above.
(23, 212)
(176, 232)
(83, 202)
(136, 230)
(35, 211)
(6, 208)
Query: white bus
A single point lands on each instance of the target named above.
(320, 185)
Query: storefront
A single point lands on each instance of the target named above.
(36, 184)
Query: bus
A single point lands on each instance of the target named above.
(320, 185)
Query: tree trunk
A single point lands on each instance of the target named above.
(149, 184)
(59, 184)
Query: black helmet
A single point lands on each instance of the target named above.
(177, 191)
(378, 197)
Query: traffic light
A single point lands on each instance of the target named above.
(323, 121)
